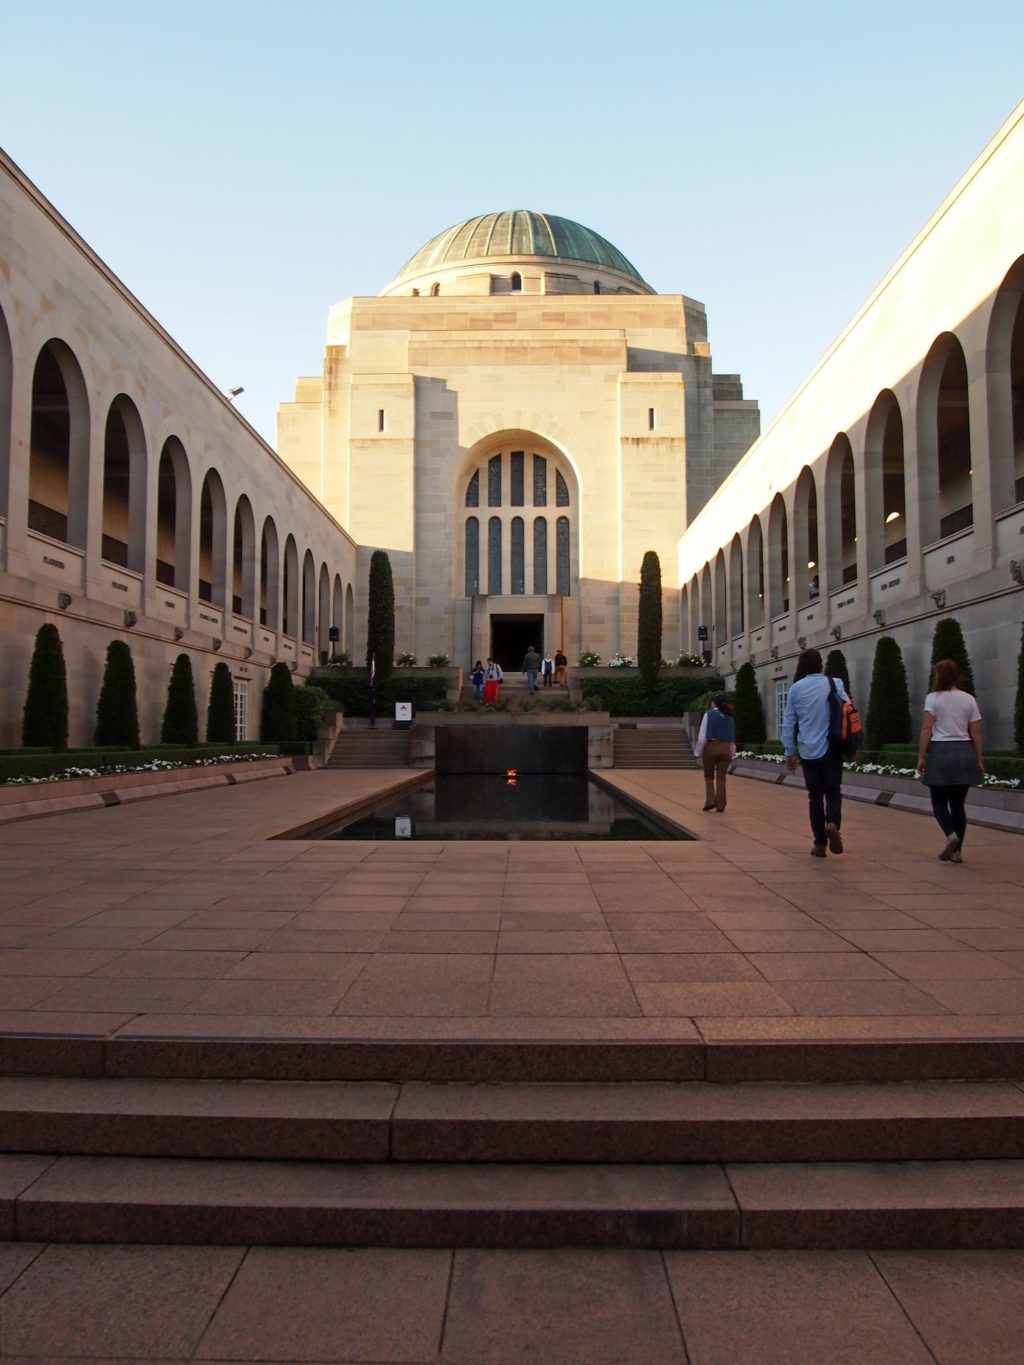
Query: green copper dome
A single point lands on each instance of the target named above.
(518, 232)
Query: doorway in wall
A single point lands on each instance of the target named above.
(512, 635)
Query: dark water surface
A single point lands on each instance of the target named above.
(486, 806)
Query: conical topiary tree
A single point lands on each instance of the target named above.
(948, 643)
(220, 714)
(277, 723)
(44, 722)
(837, 667)
(117, 713)
(648, 632)
(380, 617)
(888, 720)
(748, 712)
(181, 719)
(1018, 705)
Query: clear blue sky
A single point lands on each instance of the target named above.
(241, 166)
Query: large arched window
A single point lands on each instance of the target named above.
(291, 622)
(737, 593)
(270, 576)
(323, 612)
(58, 477)
(841, 505)
(944, 445)
(350, 619)
(212, 540)
(124, 487)
(337, 614)
(524, 553)
(243, 560)
(173, 517)
(517, 282)
(308, 599)
(721, 613)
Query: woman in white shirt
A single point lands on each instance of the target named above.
(949, 755)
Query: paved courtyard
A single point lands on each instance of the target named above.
(181, 918)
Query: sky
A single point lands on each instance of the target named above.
(242, 166)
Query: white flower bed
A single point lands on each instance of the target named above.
(157, 765)
(888, 770)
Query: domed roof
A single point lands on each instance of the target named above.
(518, 232)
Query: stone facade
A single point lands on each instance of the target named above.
(560, 370)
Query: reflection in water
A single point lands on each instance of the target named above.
(489, 806)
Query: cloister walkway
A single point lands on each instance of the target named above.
(178, 918)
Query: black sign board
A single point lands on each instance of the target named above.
(702, 632)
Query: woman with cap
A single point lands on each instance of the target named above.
(716, 748)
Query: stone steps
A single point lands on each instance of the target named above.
(654, 747)
(685, 1123)
(924, 1204)
(384, 748)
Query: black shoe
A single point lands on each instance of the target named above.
(835, 842)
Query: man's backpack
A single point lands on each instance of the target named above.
(844, 727)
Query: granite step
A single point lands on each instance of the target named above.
(713, 1207)
(630, 1123)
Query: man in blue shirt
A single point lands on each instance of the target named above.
(805, 729)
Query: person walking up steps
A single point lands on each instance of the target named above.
(949, 754)
(806, 730)
(716, 748)
(492, 681)
(531, 667)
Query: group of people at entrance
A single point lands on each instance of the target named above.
(950, 757)
(487, 678)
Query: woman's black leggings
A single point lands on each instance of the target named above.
(948, 805)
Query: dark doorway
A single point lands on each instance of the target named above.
(512, 636)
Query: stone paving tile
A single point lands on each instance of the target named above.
(206, 940)
(658, 921)
(842, 920)
(554, 941)
(573, 1307)
(564, 998)
(967, 1305)
(299, 1304)
(364, 921)
(789, 1308)
(437, 999)
(21, 993)
(673, 941)
(761, 919)
(902, 940)
(689, 967)
(820, 967)
(963, 966)
(978, 997)
(138, 918)
(265, 997)
(322, 941)
(850, 998)
(339, 967)
(438, 941)
(116, 993)
(396, 969)
(787, 941)
(593, 968)
(108, 1301)
(989, 939)
(143, 962)
(706, 998)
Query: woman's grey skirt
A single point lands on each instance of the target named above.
(951, 763)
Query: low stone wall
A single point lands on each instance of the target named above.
(990, 806)
(25, 801)
(600, 747)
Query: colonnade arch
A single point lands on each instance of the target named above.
(59, 447)
(124, 486)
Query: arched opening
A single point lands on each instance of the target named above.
(694, 645)
(243, 561)
(721, 601)
(472, 556)
(707, 619)
(597, 286)
(308, 599)
(737, 594)
(435, 289)
(338, 615)
(124, 487)
(6, 399)
(1004, 369)
(885, 479)
(270, 576)
(212, 540)
(517, 282)
(58, 479)
(778, 558)
(684, 618)
(806, 565)
(841, 510)
(350, 619)
(324, 614)
(173, 517)
(947, 499)
(755, 575)
(290, 594)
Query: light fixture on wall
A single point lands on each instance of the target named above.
(774, 651)
(232, 394)
(893, 516)
(294, 666)
(1017, 572)
(802, 641)
(217, 643)
(879, 616)
(811, 564)
(836, 632)
(939, 598)
(130, 619)
(248, 651)
(179, 634)
(64, 600)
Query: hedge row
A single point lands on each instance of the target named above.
(628, 696)
(51, 765)
(350, 690)
(998, 762)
